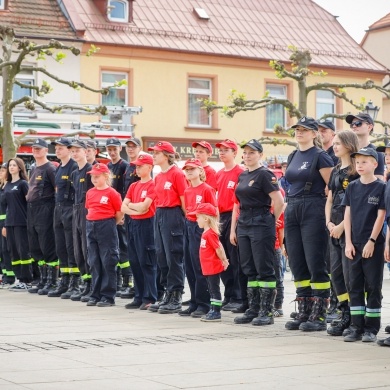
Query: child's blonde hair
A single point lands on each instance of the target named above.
(213, 222)
(108, 177)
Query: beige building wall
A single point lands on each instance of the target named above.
(158, 83)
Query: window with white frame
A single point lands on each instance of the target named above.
(25, 77)
(198, 89)
(275, 113)
(118, 95)
(118, 11)
(2, 4)
(325, 103)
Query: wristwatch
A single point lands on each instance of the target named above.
(372, 240)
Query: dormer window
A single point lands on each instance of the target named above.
(117, 10)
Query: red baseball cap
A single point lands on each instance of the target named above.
(98, 169)
(205, 208)
(163, 146)
(227, 143)
(143, 159)
(203, 144)
(192, 162)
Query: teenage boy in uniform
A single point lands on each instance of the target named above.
(63, 216)
(92, 151)
(363, 125)
(327, 132)
(40, 210)
(202, 152)
(81, 183)
(364, 246)
(133, 148)
(233, 278)
(118, 166)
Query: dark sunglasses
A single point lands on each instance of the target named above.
(356, 124)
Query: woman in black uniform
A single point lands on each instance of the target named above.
(256, 188)
(308, 172)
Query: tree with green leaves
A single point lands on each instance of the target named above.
(300, 62)
(12, 62)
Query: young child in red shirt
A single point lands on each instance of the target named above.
(212, 257)
(104, 213)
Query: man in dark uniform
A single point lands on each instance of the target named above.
(63, 216)
(118, 167)
(327, 132)
(81, 183)
(40, 210)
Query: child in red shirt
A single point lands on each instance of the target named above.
(212, 257)
(139, 205)
(198, 192)
(104, 213)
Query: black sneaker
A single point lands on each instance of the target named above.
(387, 329)
(105, 303)
(231, 306)
(92, 302)
(198, 314)
(368, 337)
(186, 312)
(133, 305)
(384, 342)
(353, 336)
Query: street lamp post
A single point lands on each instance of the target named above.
(371, 110)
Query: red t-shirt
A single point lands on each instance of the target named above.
(138, 192)
(211, 179)
(102, 204)
(211, 264)
(281, 220)
(227, 182)
(203, 193)
(169, 186)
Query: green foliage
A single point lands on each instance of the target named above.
(59, 57)
(45, 88)
(92, 50)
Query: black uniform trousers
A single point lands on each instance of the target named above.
(306, 242)
(339, 268)
(169, 240)
(233, 278)
(144, 262)
(80, 240)
(41, 233)
(214, 289)
(200, 296)
(63, 216)
(20, 253)
(366, 276)
(124, 260)
(6, 265)
(103, 256)
(256, 242)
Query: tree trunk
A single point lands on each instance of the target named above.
(302, 105)
(6, 131)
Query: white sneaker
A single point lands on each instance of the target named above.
(19, 287)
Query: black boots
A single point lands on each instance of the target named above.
(254, 306)
(79, 294)
(344, 323)
(317, 318)
(61, 288)
(164, 301)
(86, 294)
(173, 306)
(267, 301)
(304, 310)
(51, 280)
(127, 290)
(73, 287)
(42, 280)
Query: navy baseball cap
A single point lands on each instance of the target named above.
(136, 141)
(40, 143)
(78, 143)
(64, 141)
(366, 152)
(113, 142)
(307, 122)
(253, 144)
(383, 148)
(91, 144)
(327, 124)
(362, 116)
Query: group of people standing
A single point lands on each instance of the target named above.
(89, 220)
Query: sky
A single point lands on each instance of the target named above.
(356, 15)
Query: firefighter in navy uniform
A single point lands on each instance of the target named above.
(40, 210)
(92, 151)
(81, 183)
(118, 167)
(63, 216)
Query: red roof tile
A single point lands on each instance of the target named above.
(38, 18)
(245, 28)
